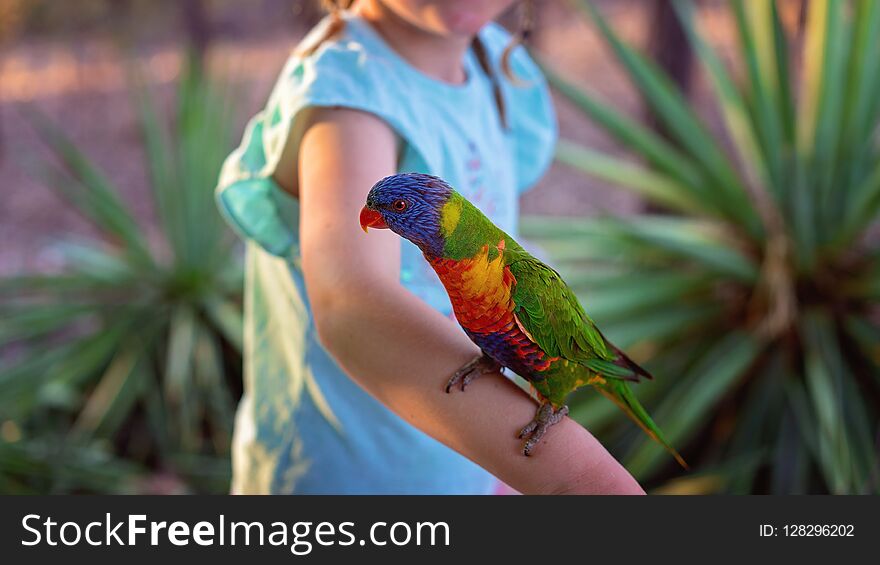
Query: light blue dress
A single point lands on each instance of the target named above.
(303, 426)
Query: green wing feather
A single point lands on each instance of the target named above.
(552, 315)
(550, 312)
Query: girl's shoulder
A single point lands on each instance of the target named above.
(341, 68)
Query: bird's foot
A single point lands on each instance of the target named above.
(545, 417)
(476, 367)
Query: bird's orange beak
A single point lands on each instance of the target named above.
(372, 219)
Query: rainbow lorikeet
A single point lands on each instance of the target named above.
(518, 310)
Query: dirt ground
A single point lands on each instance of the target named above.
(79, 82)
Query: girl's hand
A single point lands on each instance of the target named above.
(397, 347)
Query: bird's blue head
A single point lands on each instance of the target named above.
(410, 205)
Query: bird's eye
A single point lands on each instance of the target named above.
(399, 205)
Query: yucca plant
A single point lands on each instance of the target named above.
(755, 300)
(129, 359)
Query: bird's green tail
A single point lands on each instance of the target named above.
(619, 392)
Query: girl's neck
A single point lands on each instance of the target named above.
(437, 56)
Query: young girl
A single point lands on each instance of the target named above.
(348, 339)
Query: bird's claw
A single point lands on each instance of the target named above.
(474, 368)
(545, 417)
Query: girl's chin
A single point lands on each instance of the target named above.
(465, 23)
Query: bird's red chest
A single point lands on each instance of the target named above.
(480, 290)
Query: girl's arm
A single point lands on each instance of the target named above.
(400, 349)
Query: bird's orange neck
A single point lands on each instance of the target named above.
(479, 289)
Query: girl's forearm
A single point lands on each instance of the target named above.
(402, 352)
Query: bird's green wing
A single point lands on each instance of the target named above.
(547, 309)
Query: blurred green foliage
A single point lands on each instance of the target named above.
(755, 302)
(129, 361)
